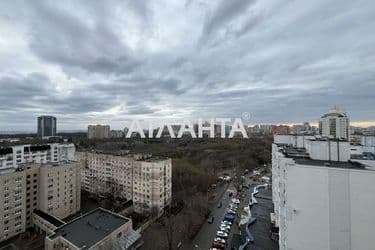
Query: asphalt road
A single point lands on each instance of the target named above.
(208, 231)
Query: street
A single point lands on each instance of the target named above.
(260, 229)
(208, 231)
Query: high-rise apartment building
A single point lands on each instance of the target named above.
(144, 179)
(20, 154)
(98, 131)
(334, 124)
(53, 188)
(46, 126)
(322, 198)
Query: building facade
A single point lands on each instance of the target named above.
(107, 175)
(152, 185)
(12, 157)
(322, 199)
(98, 131)
(144, 179)
(52, 188)
(46, 126)
(334, 124)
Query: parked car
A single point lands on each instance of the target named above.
(218, 245)
(220, 240)
(211, 219)
(229, 217)
(224, 229)
(229, 211)
(219, 205)
(222, 225)
(226, 222)
(222, 234)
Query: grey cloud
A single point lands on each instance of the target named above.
(59, 37)
(281, 61)
(225, 12)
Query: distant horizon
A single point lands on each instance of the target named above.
(279, 61)
(360, 124)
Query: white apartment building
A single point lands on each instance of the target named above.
(12, 157)
(368, 140)
(322, 199)
(98, 131)
(334, 124)
(144, 179)
(53, 188)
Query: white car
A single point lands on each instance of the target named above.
(222, 234)
(224, 230)
(226, 222)
(220, 240)
(225, 226)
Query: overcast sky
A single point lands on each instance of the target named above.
(282, 61)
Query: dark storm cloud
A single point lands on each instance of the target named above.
(103, 61)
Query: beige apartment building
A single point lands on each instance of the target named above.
(106, 175)
(98, 131)
(152, 184)
(60, 189)
(53, 188)
(144, 179)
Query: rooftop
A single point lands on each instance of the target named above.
(51, 219)
(333, 164)
(154, 159)
(89, 229)
(300, 156)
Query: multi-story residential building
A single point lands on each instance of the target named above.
(46, 126)
(144, 179)
(13, 203)
(152, 185)
(98, 131)
(60, 189)
(12, 157)
(322, 198)
(107, 175)
(334, 124)
(52, 187)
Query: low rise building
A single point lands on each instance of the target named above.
(322, 198)
(98, 229)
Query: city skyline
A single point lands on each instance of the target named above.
(114, 62)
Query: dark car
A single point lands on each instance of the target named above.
(218, 245)
(219, 205)
(211, 219)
